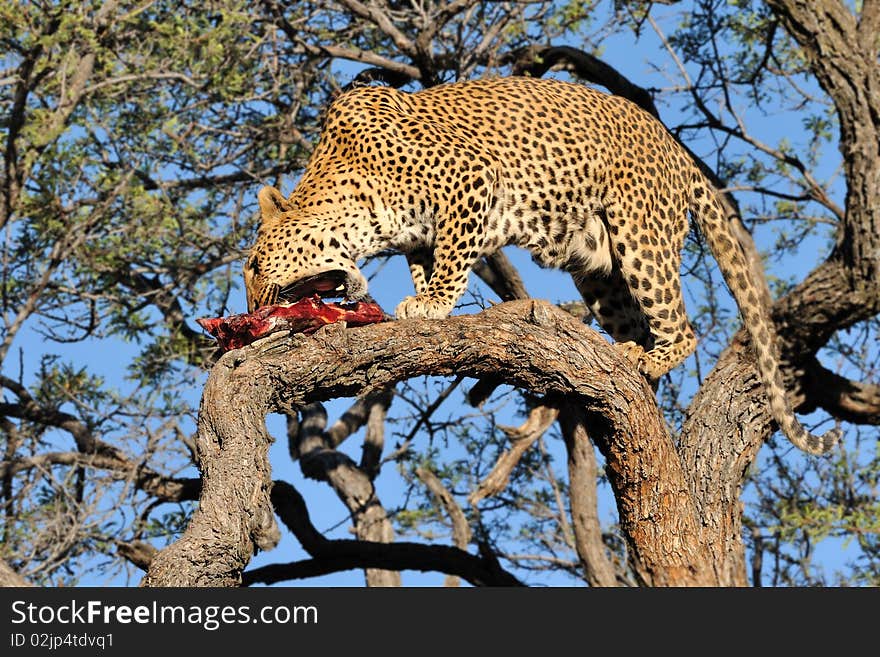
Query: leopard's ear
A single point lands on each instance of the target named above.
(272, 204)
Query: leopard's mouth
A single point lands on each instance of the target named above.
(327, 285)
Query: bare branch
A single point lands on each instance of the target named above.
(164, 488)
(384, 23)
(365, 57)
(537, 60)
(540, 419)
(374, 439)
(461, 531)
(353, 486)
(359, 414)
(583, 476)
(335, 555)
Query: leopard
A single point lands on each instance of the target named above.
(586, 181)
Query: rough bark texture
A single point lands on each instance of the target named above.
(10, 578)
(234, 515)
(535, 346)
(727, 421)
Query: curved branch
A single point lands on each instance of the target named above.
(335, 555)
(533, 345)
(354, 487)
(234, 515)
(535, 61)
(540, 419)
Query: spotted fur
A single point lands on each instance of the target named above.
(588, 182)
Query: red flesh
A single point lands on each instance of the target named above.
(305, 316)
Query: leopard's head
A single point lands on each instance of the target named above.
(297, 255)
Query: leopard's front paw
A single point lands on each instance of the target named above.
(644, 361)
(422, 306)
(634, 353)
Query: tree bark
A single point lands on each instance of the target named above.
(679, 508)
(836, 295)
(234, 514)
(9, 578)
(534, 346)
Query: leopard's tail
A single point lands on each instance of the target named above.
(749, 287)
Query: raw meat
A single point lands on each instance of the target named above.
(305, 316)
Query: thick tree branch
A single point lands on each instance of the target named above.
(234, 515)
(731, 402)
(535, 346)
(851, 401)
(869, 28)
(139, 553)
(850, 73)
